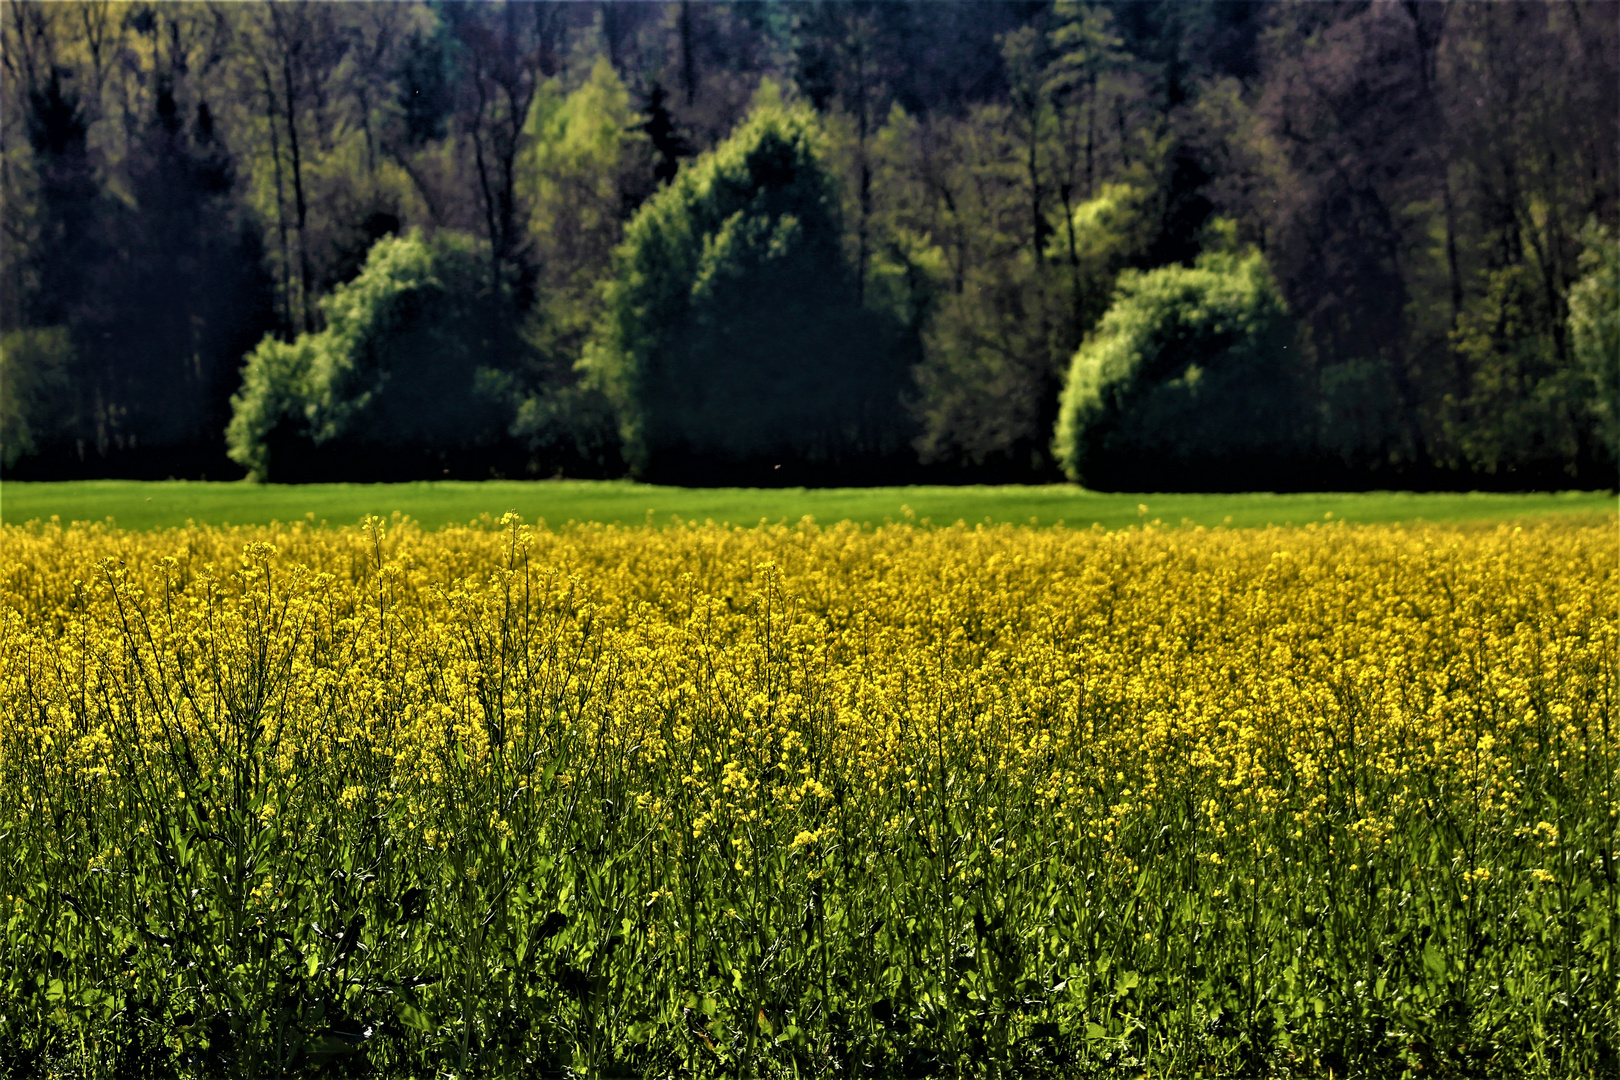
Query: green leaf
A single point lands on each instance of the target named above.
(1434, 961)
(412, 1017)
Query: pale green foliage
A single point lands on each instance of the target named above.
(274, 394)
(1594, 325)
(1186, 376)
(905, 277)
(1004, 321)
(1085, 41)
(1522, 405)
(33, 384)
(1107, 228)
(587, 169)
(397, 365)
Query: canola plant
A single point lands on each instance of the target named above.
(703, 801)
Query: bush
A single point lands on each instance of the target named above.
(1187, 383)
(732, 339)
(391, 388)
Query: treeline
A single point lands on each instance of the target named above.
(1175, 245)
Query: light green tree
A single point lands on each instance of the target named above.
(589, 166)
(1594, 326)
(1524, 411)
(1186, 383)
(393, 379)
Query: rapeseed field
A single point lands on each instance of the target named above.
(809, 801)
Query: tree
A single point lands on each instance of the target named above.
(1415, 172)
(186, 295)
(1433, 163)
(590, 165)
(1536, 157)
(138, 247)
(1186, 383)
(35, 404)
(588, 168)
(1343, 222)
(503, 46)
(732, 341)
(1594, 328)
(392, 388)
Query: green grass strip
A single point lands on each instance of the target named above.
(163, 504)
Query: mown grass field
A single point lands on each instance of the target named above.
(138, 505)
(807, 801)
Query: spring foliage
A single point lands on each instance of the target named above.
(1594, 327)
(732, 338)
(1187, 382)
(394, 376)
(35, 367)
(809, 801)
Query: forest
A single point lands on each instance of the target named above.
(1145, 246)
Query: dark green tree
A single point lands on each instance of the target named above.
(1187, 383)
(35, 378)
(394, 387)
(56, 293)
(732, 340)
(185, 295)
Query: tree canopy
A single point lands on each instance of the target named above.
(733, 340)
(1186, 383)
(1594, 328)
(178, 181)
(391, 387)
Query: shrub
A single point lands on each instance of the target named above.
(391, 387)
(732, 338)
(1186, 383)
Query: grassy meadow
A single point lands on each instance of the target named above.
(148, 505)
(797, 800)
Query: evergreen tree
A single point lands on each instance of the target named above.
(187, 296)
(664, 134)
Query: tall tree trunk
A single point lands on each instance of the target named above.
(688, 73)
(484, 187)
(1037, 220)
(864, 185)
(1077, 297)
(301, 207)
(1091, 137)
(284, 285)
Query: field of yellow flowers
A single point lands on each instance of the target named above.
(809, 801)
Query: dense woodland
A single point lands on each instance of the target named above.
(449, 228)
